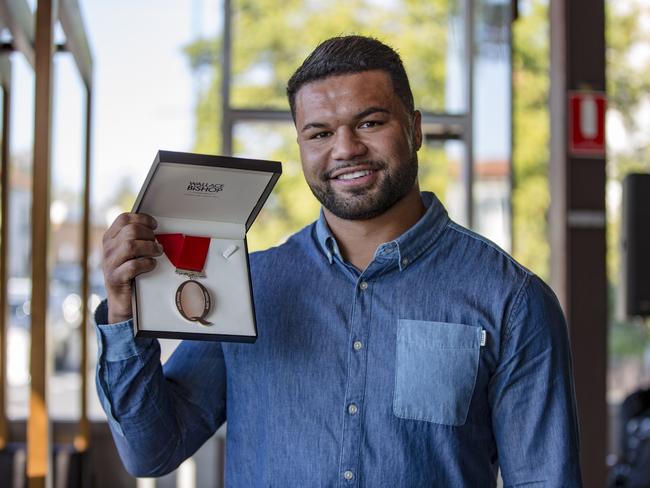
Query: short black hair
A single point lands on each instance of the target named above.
(351, 54)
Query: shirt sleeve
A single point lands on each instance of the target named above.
(159, 416)
(532, 394)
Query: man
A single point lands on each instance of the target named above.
(395, 347)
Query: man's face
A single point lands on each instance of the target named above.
(357, 143)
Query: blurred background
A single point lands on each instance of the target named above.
(208, 76)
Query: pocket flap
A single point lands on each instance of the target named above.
(439, 335)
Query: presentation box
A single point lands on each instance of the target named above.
(201, 286)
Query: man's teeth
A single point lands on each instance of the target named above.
(353, 175)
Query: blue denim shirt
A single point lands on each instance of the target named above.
(441, 362)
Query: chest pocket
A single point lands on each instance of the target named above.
(435, 370)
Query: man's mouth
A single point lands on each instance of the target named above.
(354, 174)
(349, 173)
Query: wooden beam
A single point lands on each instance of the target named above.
(5, 80)
(38, 431)
(578, 248)
(76, 40)
(20, 21)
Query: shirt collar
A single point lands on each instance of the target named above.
(407, 247)
(326, 239)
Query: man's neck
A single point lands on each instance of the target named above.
(358, 239)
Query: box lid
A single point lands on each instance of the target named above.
(207, 187)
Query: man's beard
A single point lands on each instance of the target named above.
(363, 204)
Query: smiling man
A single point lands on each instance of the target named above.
(396, 348)
(358, 145)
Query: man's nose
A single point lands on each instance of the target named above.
(347, 145)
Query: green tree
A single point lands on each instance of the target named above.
(530, 196)
(628, 86)
(270, 42)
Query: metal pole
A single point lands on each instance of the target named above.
(468, 174)
(4, 275)
(83, 436)
(38, 428)
(226, 119)
(511, 225)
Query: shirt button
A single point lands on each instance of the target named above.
(352, 409)
(363, 285)
(357, 345)
(405, 261)
(348, 475)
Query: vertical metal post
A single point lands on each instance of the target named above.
(514, 15)
(468, 133)
(226, 66)
(83, 435)
(38, 429)
(4, 275)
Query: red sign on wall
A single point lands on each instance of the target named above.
(587, 123)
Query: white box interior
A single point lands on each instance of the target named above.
(221, 215)
(168, 196)
(226, 279)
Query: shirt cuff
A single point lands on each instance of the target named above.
(116, 342)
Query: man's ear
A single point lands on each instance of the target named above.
(417, 130)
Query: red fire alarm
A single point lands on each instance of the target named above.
(587, 123)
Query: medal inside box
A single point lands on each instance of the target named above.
(201, 197)
(225, 279)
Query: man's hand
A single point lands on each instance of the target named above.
(129, 250)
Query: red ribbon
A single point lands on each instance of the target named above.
(187, 253)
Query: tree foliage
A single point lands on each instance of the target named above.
(628, 85)
(269, 43)
(628, 93)
(531, 137)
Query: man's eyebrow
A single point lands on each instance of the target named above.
(360, 115)
(370, 111)
(313, 125)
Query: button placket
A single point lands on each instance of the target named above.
(356, 378)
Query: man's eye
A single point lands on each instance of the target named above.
(320, 135)
(370, 123)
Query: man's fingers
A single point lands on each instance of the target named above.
(130, 269)
(134, 249)
(130, 249)
(129, 218)
(135, 232)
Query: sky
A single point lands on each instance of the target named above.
(143, 91)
